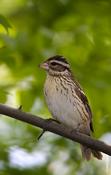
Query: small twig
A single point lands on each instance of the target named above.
(41, 134)
(20, 107)
(49, 120)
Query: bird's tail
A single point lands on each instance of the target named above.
(86, 153)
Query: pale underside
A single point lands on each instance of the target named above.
(64, 104)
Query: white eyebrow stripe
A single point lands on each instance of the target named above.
(60, 62)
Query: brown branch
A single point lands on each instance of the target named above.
(55, 128)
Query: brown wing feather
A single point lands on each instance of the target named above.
(84, 99)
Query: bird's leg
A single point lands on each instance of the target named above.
(49, 120)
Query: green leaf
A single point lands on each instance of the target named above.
(4, 22)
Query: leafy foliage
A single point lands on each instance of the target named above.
(4, 22)
(79, 30)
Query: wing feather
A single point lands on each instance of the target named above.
(84, 99)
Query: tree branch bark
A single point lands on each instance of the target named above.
(55, 128)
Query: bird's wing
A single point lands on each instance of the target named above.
(84, 99)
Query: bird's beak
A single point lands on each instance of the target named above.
(44, 65)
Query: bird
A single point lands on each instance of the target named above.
(67, 101)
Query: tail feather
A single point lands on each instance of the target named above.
(97, 154)
(86, 153)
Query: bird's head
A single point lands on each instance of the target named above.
(56, 65)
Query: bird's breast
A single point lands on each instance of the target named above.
(61, 103)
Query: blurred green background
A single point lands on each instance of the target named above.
(31, 31)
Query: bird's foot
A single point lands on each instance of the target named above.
(49, 120)
(74, 131)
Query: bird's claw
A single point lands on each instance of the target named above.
(49, 120)
(74, 131)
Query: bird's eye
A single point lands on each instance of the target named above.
(53, 63)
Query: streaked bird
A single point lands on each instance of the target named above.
(66, 100)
